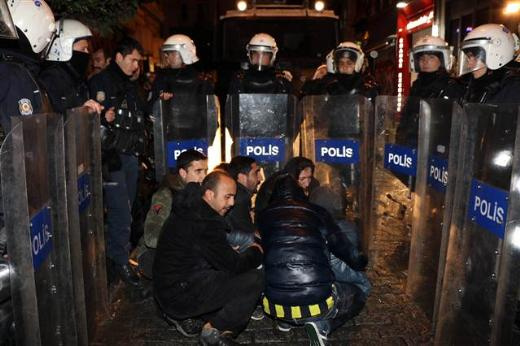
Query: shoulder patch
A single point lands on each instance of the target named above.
(157, 208)
(25, 106)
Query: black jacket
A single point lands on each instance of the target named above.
(187, 80)
(65, 87)
(260, 82)
(20, 93)
(239, 217)
(193, 242)
(433, 85)
(297, 237)
(498, 86)
(342, 84)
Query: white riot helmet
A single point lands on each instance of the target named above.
(351, 51)
(68, 31)
(262, 44)
(182, 44)
(35, 20)
(488, 45)
(7, 28)
(431, 45)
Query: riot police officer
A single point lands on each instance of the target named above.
(488, 52)
(261, 77)
(121, 144)
(20, 93)
(64, 79)
(344, 74)
(431, 58)
(180, 73)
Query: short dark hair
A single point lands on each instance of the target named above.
(211, 180)
(185, 158)
(240, 164)
(127, 45)
(296, 165)
(223, 166)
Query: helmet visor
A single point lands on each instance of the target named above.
(7, 27)
(345, 60)
(472, 56)
(260, 57)
(427, 54)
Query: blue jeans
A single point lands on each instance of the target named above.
(120, 193)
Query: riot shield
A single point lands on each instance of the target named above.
(85, 208)
(34, 198)
(337, 135)
(393, 179)
(262, 126)
(477, 303)
(433, 198)
(188, 121)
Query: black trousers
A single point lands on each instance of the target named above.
(223, 299)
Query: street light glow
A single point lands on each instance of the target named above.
(242, 5)
(401, 4)
(319, 6)
(512, 8)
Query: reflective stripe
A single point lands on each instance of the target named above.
(314, 309)
(296, 312)
(330, 302)
(279, 310)
(266, 306)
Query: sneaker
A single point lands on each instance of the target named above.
(316, 336)
(189, 327)
(283, 326)
(211, 336)
(258, 314)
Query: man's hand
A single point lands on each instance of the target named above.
(166, 96)
(93, 106)
(257, 246)
(110, 115)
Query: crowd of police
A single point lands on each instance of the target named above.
(215, 260)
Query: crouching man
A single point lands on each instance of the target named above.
(196, 273)
(300, 285)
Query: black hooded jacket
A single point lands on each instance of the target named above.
(496, 86)
(297, 237)
(193, 245)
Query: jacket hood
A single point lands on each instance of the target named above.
(286, 188)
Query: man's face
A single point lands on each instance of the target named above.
(346, 66)
(429, 63)
(223, 198)
(305, 177)
(173, 59)
(251, 179)
(81, 46)
(129, 63)
(99, 61)
(195, 173)
(261, 58)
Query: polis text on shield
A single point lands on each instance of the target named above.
(490, 210)
(400, 160)
(439, 174)
(337, 152)
(263, 150)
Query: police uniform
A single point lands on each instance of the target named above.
(342, 84)
(268, 81)
(186, 80)
(496, 86)
(121, 144)
(65, 87)
(20, 92)
(429, 85)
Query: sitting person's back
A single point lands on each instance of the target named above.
(300, 284)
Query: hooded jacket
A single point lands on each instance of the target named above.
(297, 237)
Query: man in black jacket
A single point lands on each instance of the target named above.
(300, 284)
(197, 273)
(122, 142)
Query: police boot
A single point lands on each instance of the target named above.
(212, 336)
(128, 275)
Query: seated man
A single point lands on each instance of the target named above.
(197, 273)
(246, 173)
(191, 166)
(300, 284)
